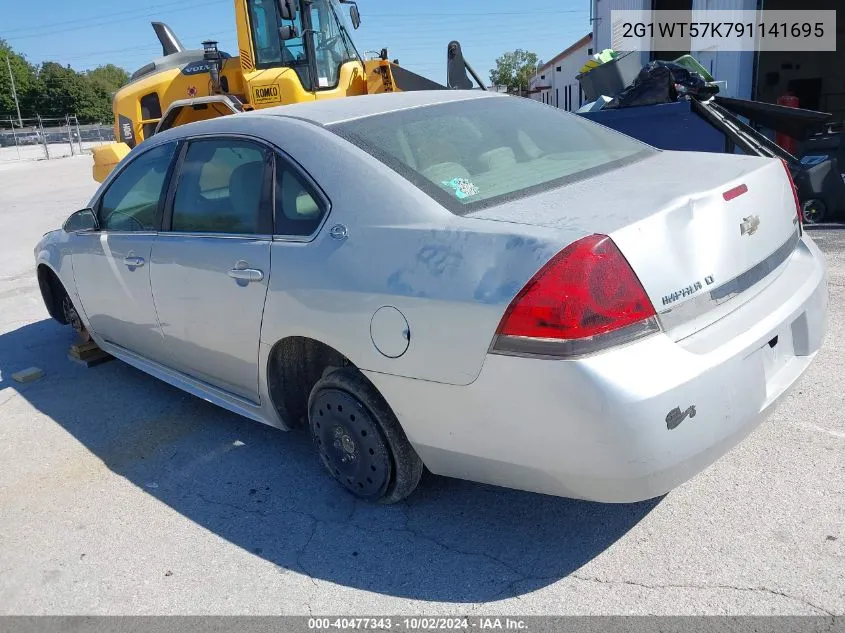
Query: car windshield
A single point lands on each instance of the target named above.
(475, 153)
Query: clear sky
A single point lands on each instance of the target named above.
(88, 33)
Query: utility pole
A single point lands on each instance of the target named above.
(14, 92)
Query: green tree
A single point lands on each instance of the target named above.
(514, 69)
(53, 90)
(24, 74)
(109, 77)
(96, 105)
(60, 90)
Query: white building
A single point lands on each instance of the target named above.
(555, 83)
(816, 78)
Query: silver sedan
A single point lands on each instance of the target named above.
(478, 284)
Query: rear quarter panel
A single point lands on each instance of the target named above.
(451, 277)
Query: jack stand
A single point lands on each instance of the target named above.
(87, 353)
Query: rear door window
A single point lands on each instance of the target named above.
(222, 187)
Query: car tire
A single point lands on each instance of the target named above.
(68, 310)
(359, 439)
(58, 302)
(814, 211)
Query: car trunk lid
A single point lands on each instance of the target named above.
(704, 232)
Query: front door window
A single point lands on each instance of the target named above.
(131, 202)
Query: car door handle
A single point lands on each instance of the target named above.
(246, 274)
(134, 262)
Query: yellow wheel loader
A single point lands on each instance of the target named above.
(290, 51)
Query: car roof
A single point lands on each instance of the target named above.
(328, 111)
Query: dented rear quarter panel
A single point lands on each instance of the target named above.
(452, 277)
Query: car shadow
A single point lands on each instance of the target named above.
(825, 226)
(264, 490)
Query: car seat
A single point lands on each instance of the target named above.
(245, 189)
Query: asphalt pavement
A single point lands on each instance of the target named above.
(122, 495)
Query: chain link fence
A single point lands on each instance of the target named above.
(49, 138)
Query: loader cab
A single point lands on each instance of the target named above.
(309, 37)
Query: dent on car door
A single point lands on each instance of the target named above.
(111, 266)
(210, 268)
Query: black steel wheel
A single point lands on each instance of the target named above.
(350, 443)
(359, 440)
(70, 313)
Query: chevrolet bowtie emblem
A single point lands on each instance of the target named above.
(749, 225)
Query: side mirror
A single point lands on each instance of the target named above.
(354, 14)
(287, 32)
(82, 221)
(287, 9)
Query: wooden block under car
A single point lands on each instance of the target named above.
(85, 354)
(78, 349)
(91, 358)
(30, 374)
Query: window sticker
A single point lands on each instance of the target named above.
(463, 187)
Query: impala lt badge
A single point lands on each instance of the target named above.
(693, 288)
(749, 225)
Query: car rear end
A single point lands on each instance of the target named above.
(646, 412)
(644, 349)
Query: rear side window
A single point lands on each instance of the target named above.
(299, 211)
(221, 188)
(132, 200)
(479, 152)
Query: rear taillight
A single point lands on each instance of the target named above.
(585, 299)
(795, 196)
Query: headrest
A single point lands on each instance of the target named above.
(245, 185)
(498, 158)
(433, 151)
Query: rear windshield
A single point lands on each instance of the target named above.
(476, 153)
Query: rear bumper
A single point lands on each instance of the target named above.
(596, 428)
